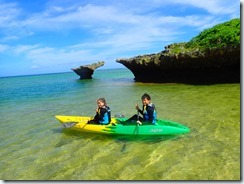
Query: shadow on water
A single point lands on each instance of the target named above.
(72, 135)
(119, 138)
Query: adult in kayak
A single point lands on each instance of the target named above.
(148, 112)
(103, 113)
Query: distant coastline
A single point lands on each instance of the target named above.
(27, 75)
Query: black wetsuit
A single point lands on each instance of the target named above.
(103, 116)
(148, 112)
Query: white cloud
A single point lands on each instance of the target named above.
(35, 66)
(213, 7)
(8, 14)
(19, 49)
(51, 56)
(109, 18)
(111, 28)
(4, 47)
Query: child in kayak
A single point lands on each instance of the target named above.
(148, 111)
(103, 114)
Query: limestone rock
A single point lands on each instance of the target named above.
(213, 56)
(197, 67)
(86, 71)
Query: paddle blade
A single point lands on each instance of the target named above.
(69, 124)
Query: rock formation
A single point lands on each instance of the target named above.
(211, 57)
(211, 66)
(86, 71)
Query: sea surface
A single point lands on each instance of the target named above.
(34, 145)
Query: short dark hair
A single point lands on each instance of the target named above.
(145, 95)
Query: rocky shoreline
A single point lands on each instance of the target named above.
(196, 67)
(211, 57)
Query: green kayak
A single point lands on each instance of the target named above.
(118, 127)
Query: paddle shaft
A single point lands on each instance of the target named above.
(137, 115)
(137, 125)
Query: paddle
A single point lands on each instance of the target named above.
(138, 123)
(137, 115)
(69, 124)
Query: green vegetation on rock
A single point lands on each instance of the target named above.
(222, 35)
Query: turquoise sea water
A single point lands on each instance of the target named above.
(34, 146)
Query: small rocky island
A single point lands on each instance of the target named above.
(86, 71)
(211, 57)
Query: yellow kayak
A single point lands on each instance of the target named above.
(116, 126)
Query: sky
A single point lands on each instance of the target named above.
(52, 36)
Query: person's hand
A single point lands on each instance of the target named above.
(137, 108)
(139, 123)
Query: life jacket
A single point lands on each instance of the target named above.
(146, 115)
(106, 117)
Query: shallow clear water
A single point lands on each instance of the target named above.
(34, 146)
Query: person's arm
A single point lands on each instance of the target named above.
(140, 111)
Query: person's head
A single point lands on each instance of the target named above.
(101, 102)
(146, 99)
